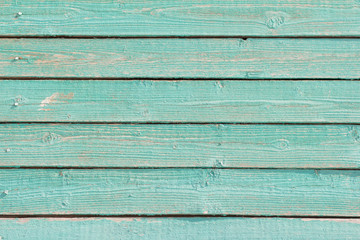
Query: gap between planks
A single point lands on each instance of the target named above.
(176, 37)
(70, 216)
(179, 123)
(175, 79)
(169, 168)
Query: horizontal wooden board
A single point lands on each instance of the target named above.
(180, 101)
(234, 146)
(180, 191)
(178, 228)
(180, 18)
(181, 58)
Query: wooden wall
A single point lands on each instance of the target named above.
(201, 119)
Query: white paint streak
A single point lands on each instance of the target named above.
(49, 100)
(54, 98)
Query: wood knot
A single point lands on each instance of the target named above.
(51, 138)
(20, 59)
(253, 74)
(205, 178)
(219, 164)
(4, 194)
(243, 43)
(354, 133)
(281, 144)
(219, 84)
(275, 21)
(18, 14)
(18, 101)
(145, 113)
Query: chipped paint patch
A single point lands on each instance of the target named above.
(118, 220)
(72, 219)
(54, 99)
(23, 220)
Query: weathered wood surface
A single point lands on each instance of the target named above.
(178, 228)
(234, 146)
(180, 191)
(180, 101)
(181, 58)
(180, 18)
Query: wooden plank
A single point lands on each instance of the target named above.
(181, 58)
(234, 146)
(178, 228)
(180, 191)
(180, 18)
(180, 101)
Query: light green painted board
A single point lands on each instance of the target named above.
(180, 101)
(148, 145)
(178, 228)
(181, 58)
(180, 191)
(180, 18)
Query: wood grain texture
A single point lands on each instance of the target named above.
(234, 146)
(180, 18)
(178, 228)
(181, 58)
(180, 191)
(180, 101)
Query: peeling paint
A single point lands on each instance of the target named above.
(23, 220)
(55, 98)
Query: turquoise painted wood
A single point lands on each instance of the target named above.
(180, 18)
(180, 101)
(191, 116)
(148, 145)
(181, 58)
(178, 228)
(260, 192)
